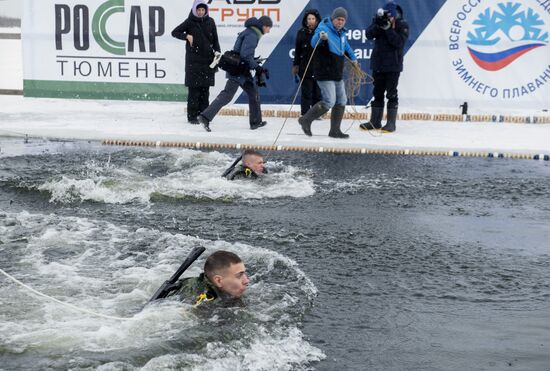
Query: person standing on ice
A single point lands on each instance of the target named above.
(328, 68)
(310, 93)
(246, 44)
(201, 36)
(390, 32)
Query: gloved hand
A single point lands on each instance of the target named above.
(262, 75)
(295, 70)
(386, 25)
(323, 35)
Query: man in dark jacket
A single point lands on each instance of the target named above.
(328, 69)
(199, 32)
(224, 279)
(246, 46)
(310, 93)
(390, 32)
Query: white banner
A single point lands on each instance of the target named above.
(123, 48)
(492, 54)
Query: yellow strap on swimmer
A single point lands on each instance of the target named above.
(203, 298)
(247, 172)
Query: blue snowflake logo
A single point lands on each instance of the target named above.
(509, 25)
(511, 22)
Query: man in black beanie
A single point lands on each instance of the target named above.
(246, 46)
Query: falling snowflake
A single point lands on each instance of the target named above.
(506, 22)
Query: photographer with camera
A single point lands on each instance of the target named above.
(245, 46)
(390, 32)
(328, 68)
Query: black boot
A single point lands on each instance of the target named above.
(376, 114)
(258, 125)
(318, 110)
(392, 117)
(204, 122)
(336, 117)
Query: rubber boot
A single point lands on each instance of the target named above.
(376, 114)
(336, 117)
(318, 110)
(392, 118)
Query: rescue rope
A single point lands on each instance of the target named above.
(71, 306)
(297, 91)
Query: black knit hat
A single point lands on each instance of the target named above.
(266, 21)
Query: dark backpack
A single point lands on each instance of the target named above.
(230, 62)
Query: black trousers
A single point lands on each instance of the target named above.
(311, 94)
(197, 101)
(385, 82)
(225, 96)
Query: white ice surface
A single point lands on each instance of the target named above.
(163, 121)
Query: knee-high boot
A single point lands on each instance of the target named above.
(336, 117)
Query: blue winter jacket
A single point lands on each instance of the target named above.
(329, 57)
(246, 46)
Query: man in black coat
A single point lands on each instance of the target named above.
(199, 32)
(310, 93)
(246, 46)
(390, 32)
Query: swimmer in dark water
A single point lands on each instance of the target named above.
(224, 279)
(252, 167)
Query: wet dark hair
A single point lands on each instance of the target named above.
(219, 260)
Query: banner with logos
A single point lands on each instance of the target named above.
(488, 53)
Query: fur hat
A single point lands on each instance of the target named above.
(339, 12)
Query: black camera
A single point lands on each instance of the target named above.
(262, 75)
(382, 17)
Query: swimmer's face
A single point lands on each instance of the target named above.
(256, 164)
(232, 280)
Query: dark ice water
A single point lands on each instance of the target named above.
(357, 262)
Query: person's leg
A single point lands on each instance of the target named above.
(392, 79)
(377, 106)
(193, 104)
(337, 113)
(254, 104)
(308, 86)
(205, 98)
(328, 94)
(221, 100)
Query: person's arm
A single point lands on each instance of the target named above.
(216, 41)
(374, 31)
(297, 50)
(248, 47)
(350, 52)
(315, 38)
(180, 32)
(399, 35)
